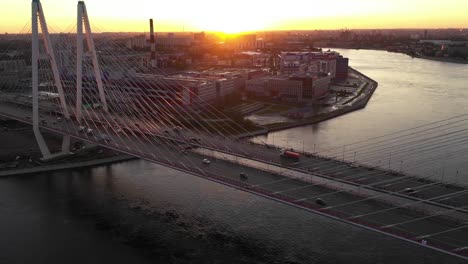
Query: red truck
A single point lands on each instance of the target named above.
(289, 154)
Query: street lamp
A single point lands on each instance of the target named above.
(389, 160)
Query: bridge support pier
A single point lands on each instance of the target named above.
(38, 17)
(41, 142)
(66, 144)
(45, 151)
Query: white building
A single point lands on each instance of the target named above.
(314, 62)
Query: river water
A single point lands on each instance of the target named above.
(138, 212)
(412, 92)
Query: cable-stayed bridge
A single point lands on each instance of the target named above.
(95, 90)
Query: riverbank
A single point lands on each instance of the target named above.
(66, 166)
(357, 102)
(441, 59)
(25, 158)
(412, 55)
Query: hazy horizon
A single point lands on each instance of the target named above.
(243, 16)
(254, 31)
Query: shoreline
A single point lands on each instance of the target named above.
(68, 166)
(369, 90)
(417, 56)
(440, 59)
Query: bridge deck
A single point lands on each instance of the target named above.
(277, 179)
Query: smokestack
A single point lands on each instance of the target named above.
(153, 45)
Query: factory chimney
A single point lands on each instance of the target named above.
(153, 45)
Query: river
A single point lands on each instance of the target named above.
(138, 212)
(411, 92)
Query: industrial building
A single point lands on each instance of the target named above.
(245, 42)
(314, 62)
(238, 75)
(171, 40)
(187, 90)
(13, 74)
(342, 65)
(293, 88)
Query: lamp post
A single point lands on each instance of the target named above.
(344, 148)
(389, 160)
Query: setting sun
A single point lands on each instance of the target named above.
(243, 15)
(229, 24)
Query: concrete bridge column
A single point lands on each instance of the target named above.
(38, 17)
(66, 144)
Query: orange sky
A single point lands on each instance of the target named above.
(243, 15)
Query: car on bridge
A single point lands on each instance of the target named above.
(206, 161)
(409, 190)
(104, 137)
(243, 176)
(289, 154)
(118, 129)
(320, 202)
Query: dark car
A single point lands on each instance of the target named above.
(320, 202)
(243, 176)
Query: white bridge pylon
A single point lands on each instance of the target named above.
(38, 18)
(84, 19)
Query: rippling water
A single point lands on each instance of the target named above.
(138, 212)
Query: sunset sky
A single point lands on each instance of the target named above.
(243, 15)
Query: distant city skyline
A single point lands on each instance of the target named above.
(243, 15)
